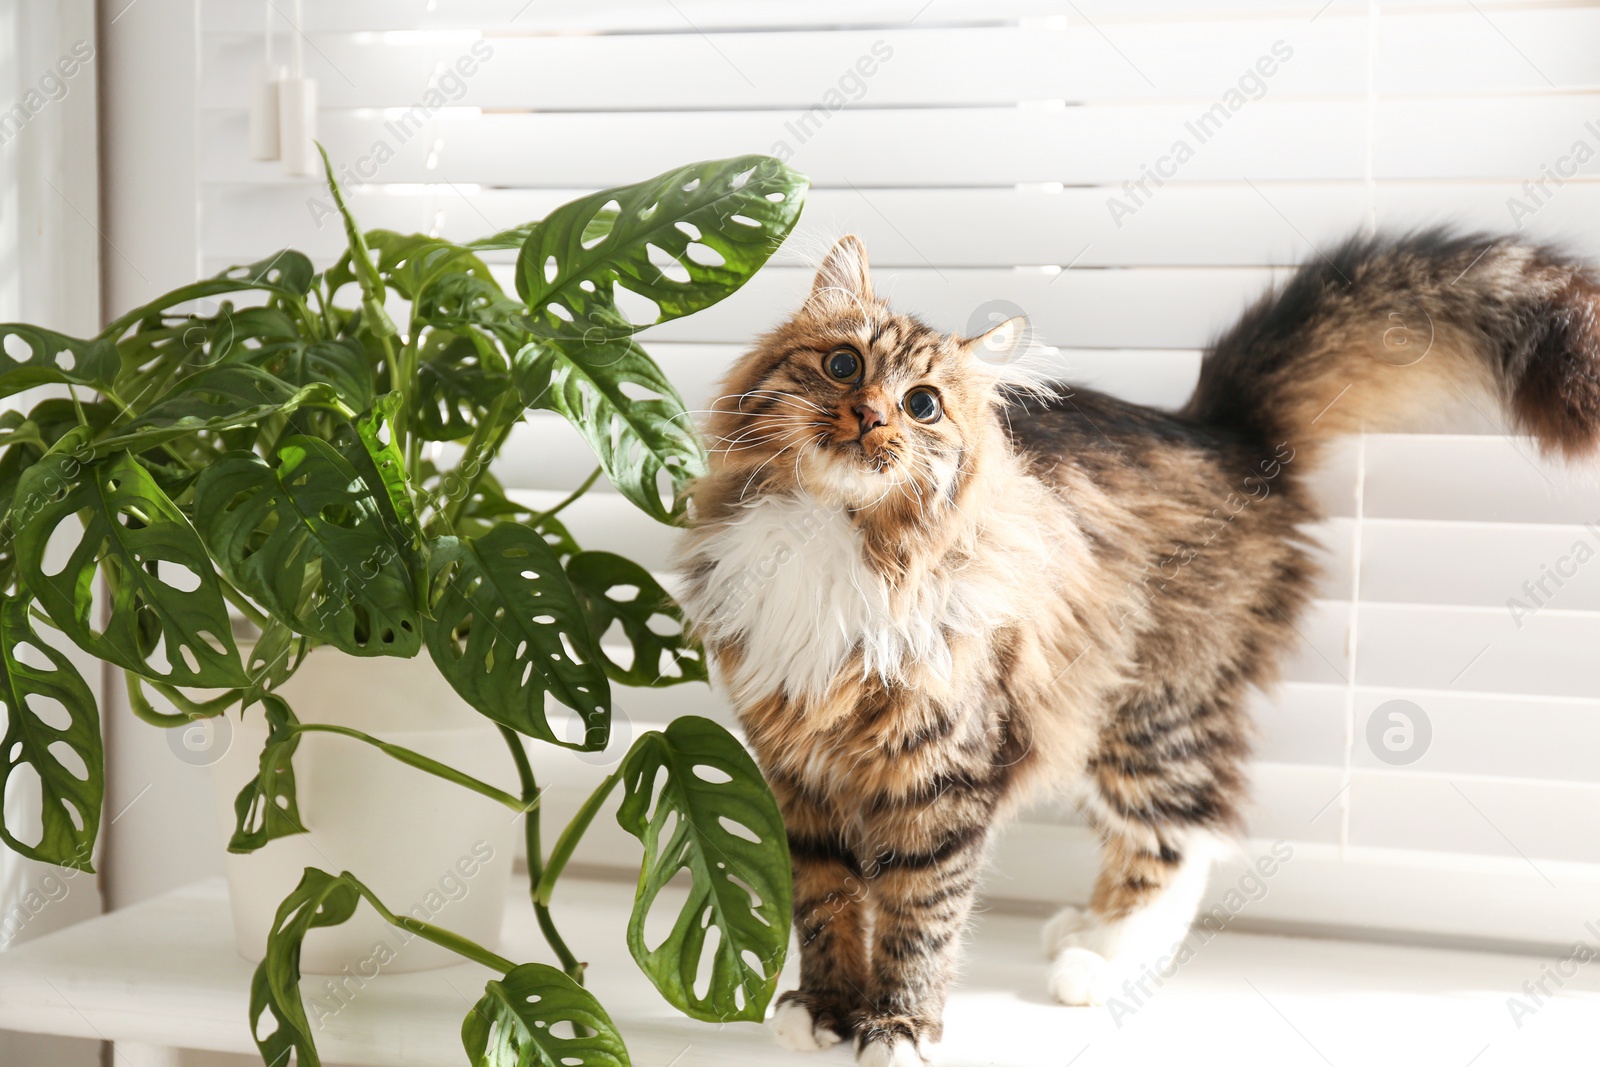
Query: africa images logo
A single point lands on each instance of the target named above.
(1399, 733)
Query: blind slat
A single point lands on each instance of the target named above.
(632, 16)
(907, 66)
(1493, 138)
(1225, 224)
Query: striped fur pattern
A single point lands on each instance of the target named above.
(929, 612)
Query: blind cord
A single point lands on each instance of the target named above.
(299, 39)
(1369, 167)
(1352, 648)
(1347, 783)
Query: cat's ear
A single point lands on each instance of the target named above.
(1004, 344)
(1009, 355)
(843, 276)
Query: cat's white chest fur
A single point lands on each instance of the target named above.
(789, 580)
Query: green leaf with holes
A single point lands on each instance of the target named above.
(216, 392)
(517, 236)
(20, 430)
(25, 441)
(507, 627)
(340, 363)
(447, 284)
(31, 356)
(683, 240)
(69, 800)
(273, 659)
(617, 590)
(413, 263)
(538, 1017)
(54, 417)
(639, 440)
(712, 815)
(459, 377)
(169, 347)
(277, 1015)
(267, 808)
(476, 306)
(373, 449)
(308, 540)
(285, 274)
(138, 540)
(205, 406)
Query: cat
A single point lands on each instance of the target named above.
(936, 586)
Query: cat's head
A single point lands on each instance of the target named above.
(859, 405)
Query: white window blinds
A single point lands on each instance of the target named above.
(1130, 175)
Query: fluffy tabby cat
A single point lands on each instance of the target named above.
(935, 589)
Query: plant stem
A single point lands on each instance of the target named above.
(568, 841)
(397, 383)
(403, 379)
(477, 457)
(569, 963)
(588, 483)
(530, 799)
(322, 307)
(415, 759)
(429, 932)
(188, 710)
(143, 710)
(303, 308)
(413, 459)
(530, 831)
(197, 709)
(77, 405)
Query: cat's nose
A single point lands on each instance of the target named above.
(871, 416)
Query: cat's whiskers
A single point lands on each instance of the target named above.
(765, 420)
(756, 421)
(756, 435)
(745, 444)
(778, 394)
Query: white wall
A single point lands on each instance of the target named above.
(165, 835)
(49, 274)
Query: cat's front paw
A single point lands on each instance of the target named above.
(1077, 942)
(1080, 976)
(894, 1040)
(804, 1023)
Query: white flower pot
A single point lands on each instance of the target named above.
(425, 847)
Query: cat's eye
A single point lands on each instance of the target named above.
(922, 404)
(843, 365)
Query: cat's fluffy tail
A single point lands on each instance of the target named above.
(1384, 332)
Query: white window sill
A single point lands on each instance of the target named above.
(164, 973)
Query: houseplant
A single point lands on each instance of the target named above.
(269, 459)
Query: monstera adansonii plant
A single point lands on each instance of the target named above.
(258, 445)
